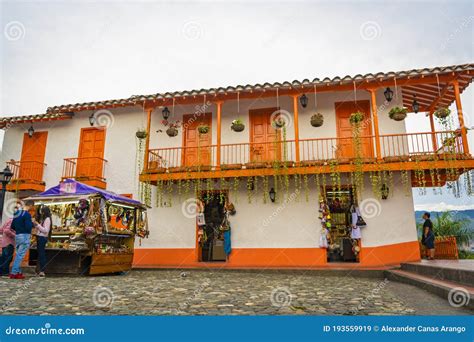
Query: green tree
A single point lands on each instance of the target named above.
(447, 225)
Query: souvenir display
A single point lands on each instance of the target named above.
(93, 224)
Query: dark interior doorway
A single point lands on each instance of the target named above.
(212, 249)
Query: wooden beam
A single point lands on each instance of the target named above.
(462, 126)
(375, 119)
(219, 133)
(442, 93)
(147, 140)
(296, 124)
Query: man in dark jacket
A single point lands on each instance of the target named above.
(22, 226)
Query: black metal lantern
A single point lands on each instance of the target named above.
(415, 105)
(5, 177)
(31, 131)
(303, 100)
(92, 119)
(166, 113)
(388, 93)
(384, 191)
(272, 194)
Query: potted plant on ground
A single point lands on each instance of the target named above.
(141, 133)
(356, 118)
(442, 112)
(237, 125)
(317, 120)
(398, 113)
(203, 129)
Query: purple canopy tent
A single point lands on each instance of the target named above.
(71, 187)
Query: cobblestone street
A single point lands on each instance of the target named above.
(168, 292)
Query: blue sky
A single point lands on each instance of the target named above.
(75, 51)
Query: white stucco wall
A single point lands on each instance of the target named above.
(295, 226)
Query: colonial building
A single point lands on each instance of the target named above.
(295, 165)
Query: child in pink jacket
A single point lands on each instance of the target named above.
(7, 244)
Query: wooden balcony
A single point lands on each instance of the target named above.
(88, 170)
(410, 151)
(27, 176)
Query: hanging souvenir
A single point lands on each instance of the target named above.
(201, 220)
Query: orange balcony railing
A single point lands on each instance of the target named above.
(319, 151)
(27, 175)
(90, 170)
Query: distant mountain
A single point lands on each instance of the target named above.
(458, 214)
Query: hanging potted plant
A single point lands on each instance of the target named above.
(356, 118)
(203, 129)
(397, 113)
(172, 129)
(442, 112)
(141, 133)
(317, 120)
(237, 125)
(278, 122)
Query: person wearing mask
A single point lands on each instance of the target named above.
(22, 225)
(8, 247)
(43, 224)
(428, 238)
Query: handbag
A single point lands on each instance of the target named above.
(360, 222)
(201, 220)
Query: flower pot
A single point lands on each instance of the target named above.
(141, 134)
(399, 116)
(203, 129)
(317, 120)
(442, 113)
(237, 127)
(278, 123)
(172, 131)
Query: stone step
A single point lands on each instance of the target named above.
(454, 292)
(458, 271)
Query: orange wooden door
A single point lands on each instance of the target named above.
(91, 153)
(32, 156)
(263, 136)
(345, 145)
(197, 147)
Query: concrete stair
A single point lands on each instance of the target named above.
(450, 280)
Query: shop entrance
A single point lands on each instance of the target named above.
(210, 237)
(341, 246)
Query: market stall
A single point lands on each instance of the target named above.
(93, 231)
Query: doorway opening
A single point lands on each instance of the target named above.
(211, 237)
(342, 246)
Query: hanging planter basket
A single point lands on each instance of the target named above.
(317, 120)
(203, 129)
(172, 131)
(442, 113)
(356, 118)
(398, 114)
(278, 123)
(237, 126)
(141, 134)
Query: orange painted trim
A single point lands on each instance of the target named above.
(462, 125)
(390, 254)
(297, 132)
(147, 140)
(375, 118)
(219, 129)
(381, 256)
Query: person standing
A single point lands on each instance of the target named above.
(8, 247)
(43, 225)
(22, 225)
(428, 236)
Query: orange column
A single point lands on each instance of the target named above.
(460, 117)
(219, 129)
(433, 135)
(147, 141)
(297, 132)
(375, 118)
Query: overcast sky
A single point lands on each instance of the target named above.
(59, 52)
